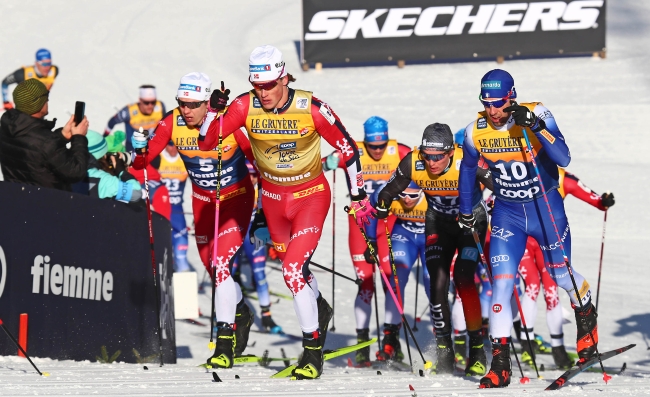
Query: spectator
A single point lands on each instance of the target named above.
(107, 177)
(145, 113)
(42, 70)
(31, 152)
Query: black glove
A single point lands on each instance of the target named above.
(466, 220)
(125, 176)
(259, 222)
(382, 210)
(367, 255)
(120, 166)
(525, 117)
(219, 98)
(607, 200)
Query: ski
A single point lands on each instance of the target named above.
(559, 382)
(263, 360)
(327, 355)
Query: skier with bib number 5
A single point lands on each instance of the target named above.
(500, 134)
(285, 127)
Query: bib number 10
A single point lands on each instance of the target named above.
(517, 169)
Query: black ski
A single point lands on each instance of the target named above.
(568, 375)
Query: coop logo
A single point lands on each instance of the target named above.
(70, 281)
(484, 19)
(3, 269)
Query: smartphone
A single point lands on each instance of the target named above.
(79, 110)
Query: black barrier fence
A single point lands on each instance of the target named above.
(81, 269)
(340, 32)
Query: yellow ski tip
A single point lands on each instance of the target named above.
(428, 365)
(45, 373)
(212, 345)
(540, 377)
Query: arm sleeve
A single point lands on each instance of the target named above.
(573, 186)
(109, 185)
(71, 164)
(161, 136)
(484, 175)
(403, 150)
(398, 182)
(15, 78)
(120, 117)
(468, 170)
(233, 119)
(551, 138)
(244, 145)
(329, 126)
(56, 71)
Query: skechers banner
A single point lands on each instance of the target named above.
(81, 269)
(338, 31)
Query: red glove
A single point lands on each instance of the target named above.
(8, 105)
(362, 210)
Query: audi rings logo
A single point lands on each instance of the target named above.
(530, 193)
(499, 258)
(3, 277)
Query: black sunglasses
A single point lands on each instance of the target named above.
(190, 105)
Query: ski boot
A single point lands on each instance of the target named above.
(501, 368)
(460, 347)
(561, 357)
(528, 351)
(390, 346)
(224, 353)
(267, 321)
(541, 346)
(325, 314)
(476, 362)
(445, 363)
(363, 355)
(311, 362)
(587, 329)
(243, 322)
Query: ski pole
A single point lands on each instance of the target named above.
(417, 286)
(374, 286)
(477, 240)
(427, 364)
(333, 246)
(212, 345)
(334, 273)
(600, 266)
(606, 377)
(397, 287)
(156, 284)
(21, 349)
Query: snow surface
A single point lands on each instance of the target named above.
(106, 49)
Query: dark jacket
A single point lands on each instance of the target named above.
(30, 152)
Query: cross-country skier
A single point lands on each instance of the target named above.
(435, 168)
(181, 125)
(520, 208)
(42, 70)
(379, 156)
(285, 127)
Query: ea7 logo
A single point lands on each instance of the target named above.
(487, 18)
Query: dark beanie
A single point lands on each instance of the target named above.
(437, 136)
(30, 96)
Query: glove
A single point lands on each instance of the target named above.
(367, 255)
(139, 140)
(361, 209)
(607, 200)
(219, 99)
(8, 105)
(331, 161)
(466, 220)
(120, 166)
(259, 231)
(382, 210)
(525, 117)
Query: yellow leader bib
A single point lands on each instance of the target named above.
(30, 73)
(410, 219)
(441, 190)
(377, 172)
(286, 146)
(148, 122)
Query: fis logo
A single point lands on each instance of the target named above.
(484, 19)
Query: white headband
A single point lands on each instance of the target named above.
(148, 93)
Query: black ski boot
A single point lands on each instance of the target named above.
(460, 347)
(363, 355)
(561, 357)
(528, 351)
(311, 362)
(501, 368)
(243, 322)
(267, 321)
(391, 349)
(587, 340)
(445, 363)
(476, 362)
(325, 314)
(224, 353)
